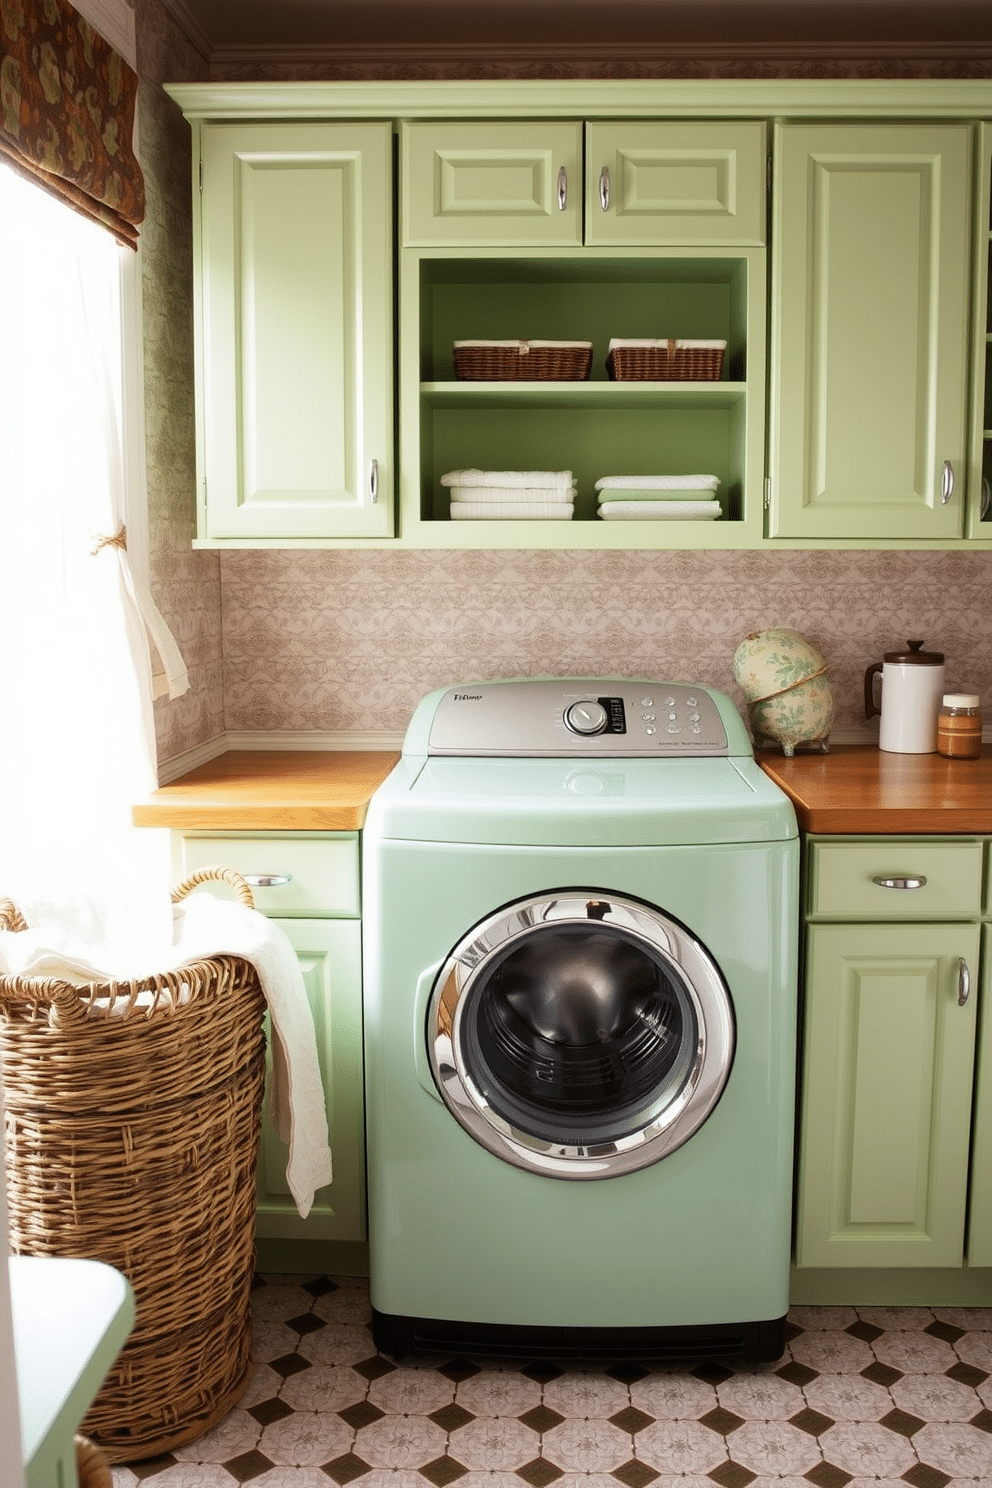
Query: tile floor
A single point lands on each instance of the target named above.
(872, 1395)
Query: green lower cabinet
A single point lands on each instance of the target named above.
(980, 1221)
(330, 956)
(887, 1095)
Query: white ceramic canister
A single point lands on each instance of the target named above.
(912, 689)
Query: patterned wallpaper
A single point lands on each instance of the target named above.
(186, 583)
(349, 640)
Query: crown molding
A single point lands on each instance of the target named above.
(590, 98)
(190, 26)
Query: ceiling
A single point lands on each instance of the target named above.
(956, 26)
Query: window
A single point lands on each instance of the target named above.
(76, 728)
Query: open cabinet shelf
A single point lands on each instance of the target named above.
(593, 428)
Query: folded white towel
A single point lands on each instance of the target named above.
(547, 480)
(83, 937)
(654, 494)
(658, 483)
(510, 493)
(469, 511)
(660, 511)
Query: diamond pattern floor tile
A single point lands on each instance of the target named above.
(877, 1397)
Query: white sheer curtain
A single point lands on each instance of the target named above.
(77, 635)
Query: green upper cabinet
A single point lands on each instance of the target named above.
(506, 182)
(645, 183)
(854, 402)
(871, 288)
(681, 181)
(294, 333)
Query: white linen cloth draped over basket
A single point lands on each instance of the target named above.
(91, 936)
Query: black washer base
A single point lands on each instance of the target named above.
(737, 1343)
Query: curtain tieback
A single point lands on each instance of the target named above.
(119, 540)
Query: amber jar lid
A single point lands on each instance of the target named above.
(916, 656)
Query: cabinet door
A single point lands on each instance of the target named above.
(980, 1223)
(886, 1102)
(330, 955)
(480, 183)
(870, 309)
(294, 330)
(657, 182)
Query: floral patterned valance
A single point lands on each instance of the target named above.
(67, 103)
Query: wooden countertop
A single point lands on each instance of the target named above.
(856, 788)
(271, 790)
(860, 789)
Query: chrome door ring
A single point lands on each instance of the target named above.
(666, 1118)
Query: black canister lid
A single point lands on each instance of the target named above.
(916, 656)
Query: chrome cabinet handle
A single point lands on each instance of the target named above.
(964, 982)
(267, 880)
(374, 481)
(900, 883)
(562, 189)
(604, 188)
(946, 483)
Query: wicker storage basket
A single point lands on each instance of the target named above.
(666, 361)
(522, 361)
(132, 1129)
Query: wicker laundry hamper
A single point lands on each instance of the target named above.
(132, 1129)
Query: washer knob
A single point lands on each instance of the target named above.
(586, 718)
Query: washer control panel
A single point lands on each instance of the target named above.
(581, 717)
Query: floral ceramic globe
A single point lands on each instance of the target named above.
(784, 678)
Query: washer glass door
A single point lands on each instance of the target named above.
(580, 1034)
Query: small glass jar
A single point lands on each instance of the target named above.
(959, 726)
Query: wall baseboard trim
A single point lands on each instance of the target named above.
(276, 739)
(200, 754)
(315, 739)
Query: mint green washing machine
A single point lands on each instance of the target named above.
(580, 920)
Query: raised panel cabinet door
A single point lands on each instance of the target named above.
(695, 182)
(330, 955)
(474, 183)
(869, 350)
(295, 331)
(980, 1222)
(886, 1099)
